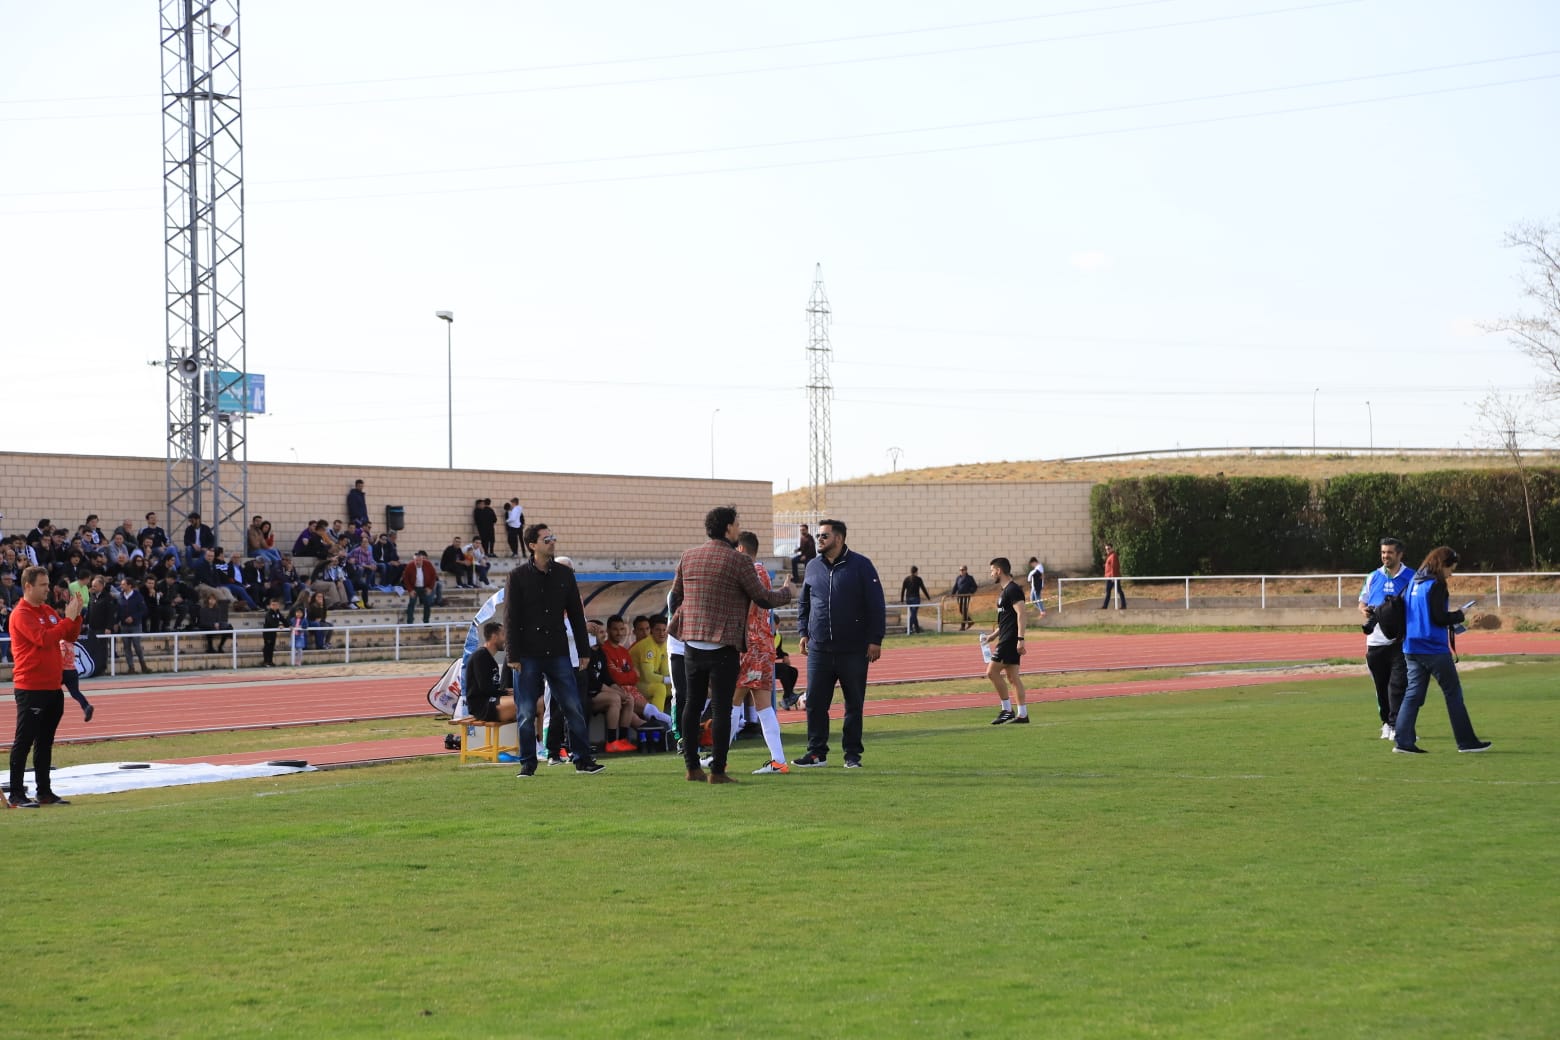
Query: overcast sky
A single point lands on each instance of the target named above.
(1045, 229)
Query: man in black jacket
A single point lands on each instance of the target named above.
(543, 616)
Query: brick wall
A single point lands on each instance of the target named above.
(595, 516)
(939, 526)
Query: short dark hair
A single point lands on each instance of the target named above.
(1393, 542)
(837, 526)
(749, 541)
(1001, 563)
(150, 515)
(533, 533)
(659, 619)
(718, 519)
(491, 629)
(616, 617)
(641, 617)
(914, 569)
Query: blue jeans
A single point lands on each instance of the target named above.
(824, 669)
(529, 672)
(1420, 668)
(415, 596)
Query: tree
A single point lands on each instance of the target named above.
(1537, 333)
(1510, 421)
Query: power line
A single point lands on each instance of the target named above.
(866, 135)
(643, 59)
(906, 154)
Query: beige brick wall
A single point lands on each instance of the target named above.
(595, 516)
(939, 526)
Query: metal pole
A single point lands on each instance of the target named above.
(448, 317)
(449, 385)
(712, 442)
(1313, 419)
(1371, 416)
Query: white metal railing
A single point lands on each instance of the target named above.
(1464, 581)
(933, 606)
(190, 645)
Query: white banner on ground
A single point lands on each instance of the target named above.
(109, 777)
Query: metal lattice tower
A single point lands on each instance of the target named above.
(203, 247)
(820, 467)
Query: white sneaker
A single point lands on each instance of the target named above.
(706, 761)
(772, 767)
(1386, 731)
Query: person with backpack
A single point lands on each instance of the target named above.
(1381, 604)
(1429, 647)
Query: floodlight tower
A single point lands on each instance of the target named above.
(820, 467)
(203, 250)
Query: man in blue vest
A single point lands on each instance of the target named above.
(1384, 654)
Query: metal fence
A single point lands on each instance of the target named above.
(186, 651)
(1282, 590)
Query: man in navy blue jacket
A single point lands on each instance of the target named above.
(840, 619)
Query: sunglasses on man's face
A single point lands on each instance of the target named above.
(549, 538)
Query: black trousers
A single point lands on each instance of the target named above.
(712, 676)
(514, 539)
(1390, 671)
(38, 714)
(268, 642)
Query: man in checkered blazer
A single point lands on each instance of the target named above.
(710, 597)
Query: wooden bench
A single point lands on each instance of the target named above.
(492, 745)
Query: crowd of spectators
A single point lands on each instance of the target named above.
(147, 581)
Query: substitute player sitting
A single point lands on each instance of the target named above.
(486, 696)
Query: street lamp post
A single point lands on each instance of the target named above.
(1371, 418)
(448, 317)
(712, 442)
(1313, 419)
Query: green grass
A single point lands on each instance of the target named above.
(1228, 863)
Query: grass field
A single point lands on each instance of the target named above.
(1233, 863)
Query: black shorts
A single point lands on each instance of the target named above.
(484, 711)
(1006, 653)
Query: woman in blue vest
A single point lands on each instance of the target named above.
(1427, 647)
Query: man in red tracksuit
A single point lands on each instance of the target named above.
(36, 633)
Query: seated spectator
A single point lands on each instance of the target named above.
(477, 560)
(129, 530)
(10, 591)
(307, 543)
(283, 579)
(212, 617)
(260, 541)
(197, 535)
(454, 562)
(362, 569)
(92, 532)
(330, 580)
(317, 617)
(158, 536)
(136, 569)
(421, 583)
(116, 553)
(226, 575)
(653, 662)
(387, 557)
(159, 605)
(641, 628)
(252, 574)
(486, 696)
(335, 535)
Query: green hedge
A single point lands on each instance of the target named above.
(1249, 525)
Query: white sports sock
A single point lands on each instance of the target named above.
(771, 726)
(657, 715)
(1007, 705)
(1023, 711)
(738, 720)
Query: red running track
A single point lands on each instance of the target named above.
(154, 705)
